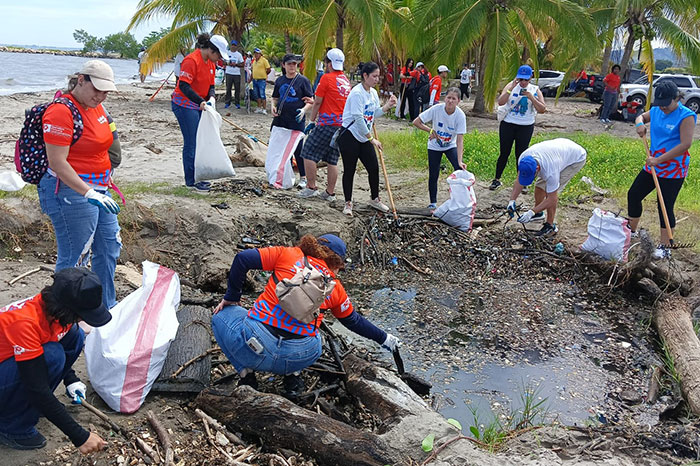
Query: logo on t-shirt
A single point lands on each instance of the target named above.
(19, 350)
(346, 305)
(184, 74)
(57, 130)
(343, 85)
(102, 119)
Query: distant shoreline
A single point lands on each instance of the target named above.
(70, 53)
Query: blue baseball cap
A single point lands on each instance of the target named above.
(527, 167)
(524, 72)
(334, 243)
(257, 50)
(234, 42)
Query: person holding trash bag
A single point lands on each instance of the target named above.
(194, 90)
(39, 342)
(267, 337)
(356, 141)
(74, 191)
(671, 126)
(446, 138)
(556, 162)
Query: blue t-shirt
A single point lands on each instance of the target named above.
(292, 102)
(665, 131)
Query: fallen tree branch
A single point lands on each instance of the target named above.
(415, 267)
(163, 436)
(28, 273)
(233, 438)
(214, 349)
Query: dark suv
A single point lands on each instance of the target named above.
(595, 88)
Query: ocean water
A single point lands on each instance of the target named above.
(31, 72)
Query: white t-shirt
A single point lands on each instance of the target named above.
(234, 57)
(521, 111)
(553, 157)
(362, 107)
(446, 126)
(178, 61)
(465, 76)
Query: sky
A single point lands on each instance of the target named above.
(52, 22)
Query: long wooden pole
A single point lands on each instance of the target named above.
(241, 129)
(150, 99)
(386, 178)
(669, 230)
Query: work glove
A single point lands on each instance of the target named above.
(511, 209)
(76, 392)
(300, 115)
(391, 343)
(102, 201)
(527, 216)
(309, 127)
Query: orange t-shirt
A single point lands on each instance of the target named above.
(435, 87)
(334, 88)
(612, 82)
(284, 261)
(24, 329)
(88, 156)
(198, 74)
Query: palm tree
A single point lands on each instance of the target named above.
(502, 30)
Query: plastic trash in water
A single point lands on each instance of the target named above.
(11, 181)
(394, 261)
(559, 249)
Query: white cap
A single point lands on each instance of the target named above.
(337, 58)
(220, 44)
(420, 63)
(442, 68)
(101, 75)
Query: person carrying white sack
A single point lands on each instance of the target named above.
(555, 162)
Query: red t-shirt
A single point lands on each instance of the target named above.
(405, 72)
(198, 74)
(24, 329)
(284, 261)
(334, 87)
(89, 156)
(612, 82)
(436, 88)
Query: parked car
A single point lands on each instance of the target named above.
(549, 81)
(595, 88)
(689, 86)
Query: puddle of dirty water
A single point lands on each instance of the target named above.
(571, 383)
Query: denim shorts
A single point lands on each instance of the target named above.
(259, 88)
(238, 336)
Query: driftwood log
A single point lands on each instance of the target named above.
(193, 339)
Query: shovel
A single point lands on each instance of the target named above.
(386, 181)
(417, 384)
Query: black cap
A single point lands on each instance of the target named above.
(665, 92)
(80, 290)
(291, 57)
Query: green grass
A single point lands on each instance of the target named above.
(613, 162)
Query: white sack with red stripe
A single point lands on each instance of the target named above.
(609, 235)
(125, 356)
(460, 208)
(211, 161)
(278, 163)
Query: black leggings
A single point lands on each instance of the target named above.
(299, 160)
(507, 134)
(464, 90)
(404, 100)
(351, 150)
(434, 159)
(643, 185)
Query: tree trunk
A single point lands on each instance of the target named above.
(479, 100)
(624, 63)
(675, 327)
(282, 424)
(606, 59)
(287, 42)
(341, 24)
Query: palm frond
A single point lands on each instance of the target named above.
(169, 45)
(320, 27)
(682, 42)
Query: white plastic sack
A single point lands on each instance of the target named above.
(460, 208)
(278, 164)
(219, 77)
(210, 159)
(11, 181)
(608, 236)
(126, 356)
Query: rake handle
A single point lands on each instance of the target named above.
(239, 128)
(660, 196)
(161, 87)
(386, 177)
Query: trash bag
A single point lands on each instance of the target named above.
(11, 181)
(460, 208)
(126, 356)
(248, 152)
(278, 165)
(608, 236)
(210, 159)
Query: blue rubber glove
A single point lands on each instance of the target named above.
(309, 127)
(511, 209)
(76, 392)
(102, 201)
(300, 115)
(253, 138)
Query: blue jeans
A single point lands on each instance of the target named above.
(259, 88)
(188, 119)
(609, 103)
(18, 417)
(79, 227)
(232, 329)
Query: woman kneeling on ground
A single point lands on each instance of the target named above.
(39, 342)
(266, 338)
(356, 142)
(74, 190)
(446, 138)
(671, 126)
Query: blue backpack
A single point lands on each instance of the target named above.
(30, 149)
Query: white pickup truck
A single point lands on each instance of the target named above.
(689, 86)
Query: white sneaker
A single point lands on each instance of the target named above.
(302, 183)
(258, 110)
(379, 205)
(307, 193)
(347, 210)
(264, 112)
(662, 252)
(327, 197)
